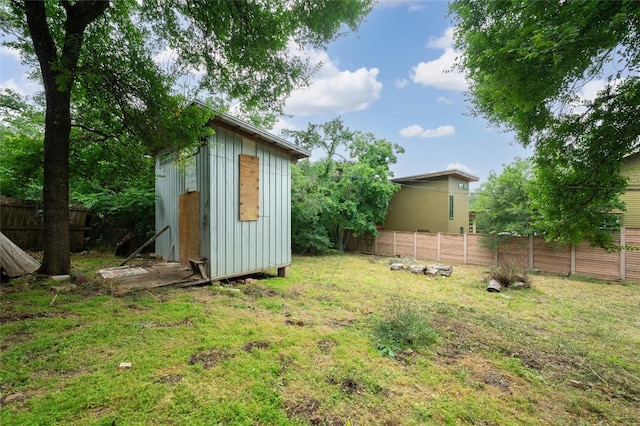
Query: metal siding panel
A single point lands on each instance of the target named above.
(239, 247)
(204, 184)
(169, 184)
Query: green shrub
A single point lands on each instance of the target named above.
(403, 325)
(508, 272)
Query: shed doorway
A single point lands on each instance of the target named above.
(189, 227)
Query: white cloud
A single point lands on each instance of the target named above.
(12, 53)
(587, 93)
(24, 85)
(461, 167)
(401, 83)
(334, 91)
(416, 131)
(439, 73)
(444, 100)
(282, 124)
(412, 5)
(590, 90)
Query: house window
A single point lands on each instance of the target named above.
(463, 186)
(462, 229)
(450, 207)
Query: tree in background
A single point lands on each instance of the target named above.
(112, 176)
(347, 190)
(96, 61)
(503, 204)
(526, 63)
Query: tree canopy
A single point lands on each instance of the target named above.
(502, 204)
(347, 189)
(527, 63)
(102, 76)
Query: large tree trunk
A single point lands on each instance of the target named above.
(57, 259)
(58, 68)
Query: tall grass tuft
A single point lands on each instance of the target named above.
(403, 325)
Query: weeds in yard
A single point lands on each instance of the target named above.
(404, 325)
(508, 272)
(299, 351)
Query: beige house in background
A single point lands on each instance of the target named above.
(434, 202)
(631, 197)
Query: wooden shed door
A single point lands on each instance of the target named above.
(189, 226)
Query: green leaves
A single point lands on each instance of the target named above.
(527, 62)
(503, 204)
(337, 194)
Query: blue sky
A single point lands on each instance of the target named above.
(388, 78)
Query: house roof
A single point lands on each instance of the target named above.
(246, 129)
(430, 176)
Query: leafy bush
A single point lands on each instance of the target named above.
(507, 273)
(403, 325)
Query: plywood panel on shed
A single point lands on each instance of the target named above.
(189, 226)
(249, 187)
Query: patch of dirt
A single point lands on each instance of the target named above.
(305, 409)
(187, 322)
(7, 317)
(169, 379)
(251, 346)
(138, 307)
(90, 289)
(309, 410)
(340, 323)
(406, 357)
(210, 358)
(350, 386)
(495, 379)
(325, 345)
(258, 290)
(294, 321)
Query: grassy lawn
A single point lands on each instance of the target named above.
(318, 348)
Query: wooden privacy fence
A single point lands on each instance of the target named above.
(530, 252)
(21, 222)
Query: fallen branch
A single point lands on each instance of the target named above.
(602, 389)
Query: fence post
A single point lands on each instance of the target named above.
(415, 245)
(623, 253)
(464, 257)
(530, 251)
(394, 243)
(375, 245)
(438, 248)
(573, 260)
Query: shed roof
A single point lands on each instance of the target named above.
(430, 176)
(246, 129)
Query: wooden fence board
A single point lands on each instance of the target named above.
(21, 222)
(597, 263)
(405, 244)
(452, 248)
(554, 259)
(478, 255)
(384, 245)
(547, 258)
(427, 246)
